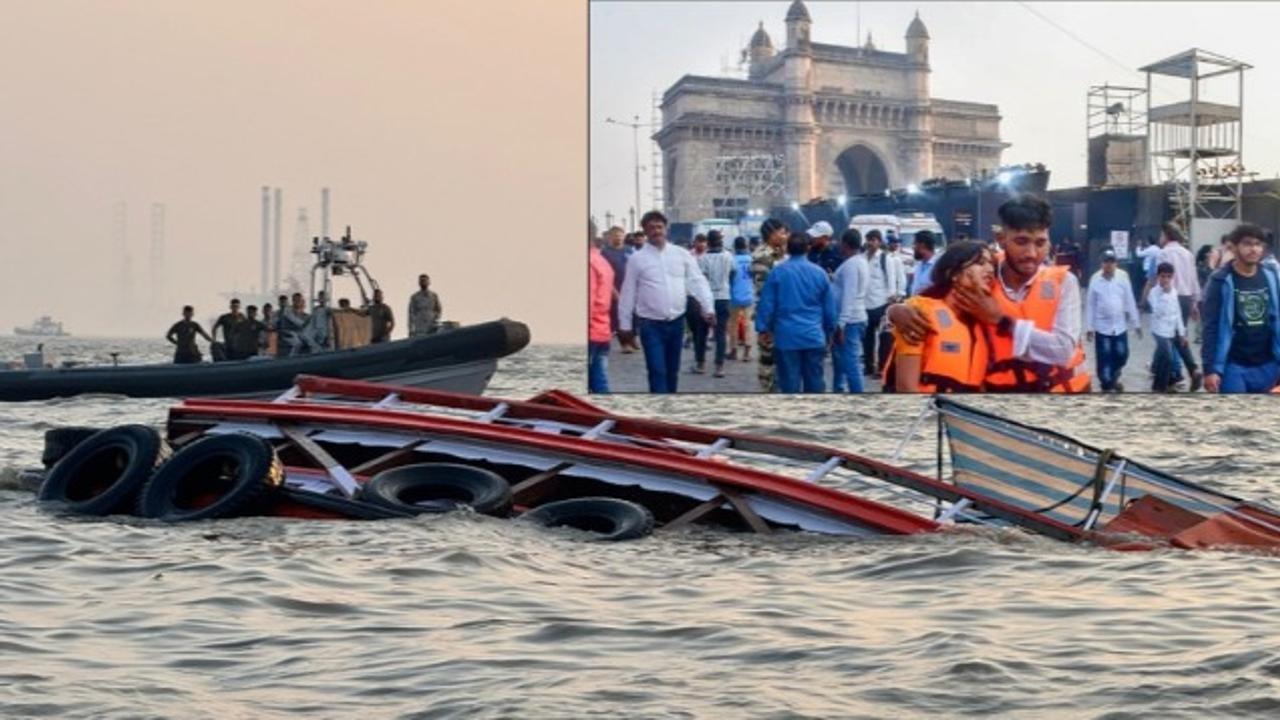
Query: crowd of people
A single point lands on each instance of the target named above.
(291, 328)
(998, 316)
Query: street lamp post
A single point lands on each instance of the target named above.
(635, 126)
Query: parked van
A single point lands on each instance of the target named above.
(912, 223)
(727, 228)
(905, 226)
(884, 223)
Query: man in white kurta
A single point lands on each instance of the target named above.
(658, 279)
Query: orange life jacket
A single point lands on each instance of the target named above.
(1010, 374)
(955, 355)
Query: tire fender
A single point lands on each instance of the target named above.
(439, 487)
(216, 476)
(610, 519)
(103, 474)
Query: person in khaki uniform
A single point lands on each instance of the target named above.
(381, 321)
(772, 251)
(424, 309)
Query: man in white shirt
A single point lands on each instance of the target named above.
(893, 253)
(850, 284)
(1186, 282)
(1168, 330)
(885, 287)
(1109, 312)
(659, 277)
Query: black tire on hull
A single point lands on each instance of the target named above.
(215, 477)
(610, 518)
(60, 441)
(353, 509)
(103, 474)
(439, 487)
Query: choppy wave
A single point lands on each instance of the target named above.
(468, 616)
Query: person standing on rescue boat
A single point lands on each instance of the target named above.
(183, 336)
(952, 357)
(1033, 310)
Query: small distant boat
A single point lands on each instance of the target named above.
(44, 327)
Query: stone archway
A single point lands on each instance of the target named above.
(863, 171)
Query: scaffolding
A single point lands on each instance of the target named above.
(1196, 147)
(1116, 134)
(752, 178)
(655, 154)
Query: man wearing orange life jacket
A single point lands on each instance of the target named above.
(1033, 311)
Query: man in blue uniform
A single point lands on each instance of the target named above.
(797, 311)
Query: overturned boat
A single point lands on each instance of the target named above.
(343, 448)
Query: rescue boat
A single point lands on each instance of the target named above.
(333, 448)
(463, 359)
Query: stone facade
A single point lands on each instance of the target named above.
(815, 120)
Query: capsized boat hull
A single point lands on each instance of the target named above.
(461, 360)
(545, 452)
(806, 486)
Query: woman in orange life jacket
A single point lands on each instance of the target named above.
(952, 357)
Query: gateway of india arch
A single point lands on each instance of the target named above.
(813, 120)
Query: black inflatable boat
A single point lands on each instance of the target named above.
(459, 360)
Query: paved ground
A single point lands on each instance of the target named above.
(627, 371)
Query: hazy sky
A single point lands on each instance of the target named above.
(1000, 53)
(452, 134)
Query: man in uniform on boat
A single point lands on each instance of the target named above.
(1032, 311)
(293, 320)
(318, 335)
(270, 327)
(424, 309)
(227, 322)
(380, 318)
(183, 335)
(244, 339)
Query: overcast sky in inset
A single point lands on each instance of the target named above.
(1036, 61)
(452, 134)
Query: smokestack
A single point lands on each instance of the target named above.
(324, 213)
(157, 254)
(266, 237)
(120, 230)
(275, 263)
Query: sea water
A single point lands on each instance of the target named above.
(466, 616)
